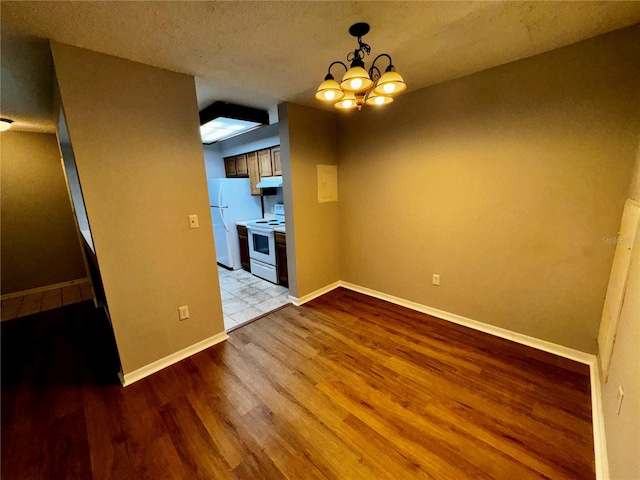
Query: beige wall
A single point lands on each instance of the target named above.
(622, 432)
(503, 182)
(40, 243)
(308, 138)
(134, 131)
(634, 190)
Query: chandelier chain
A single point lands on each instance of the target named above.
(359, 53)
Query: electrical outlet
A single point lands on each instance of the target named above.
(193, 221)
(183, 312)
(620, 397)
(435, 279)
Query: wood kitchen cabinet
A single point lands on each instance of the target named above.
(275, 161)
(254, 173)
(264, 163)
(243, 238)
(281, 259)
(230, 169)
(255, 165)
(241, 166)
(236, 166)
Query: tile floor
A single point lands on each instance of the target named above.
(42, 301)
(245, 296)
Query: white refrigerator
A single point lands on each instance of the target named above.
(231, 201)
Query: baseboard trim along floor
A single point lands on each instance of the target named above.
(129, 378)
(45, 288)
(321, 291)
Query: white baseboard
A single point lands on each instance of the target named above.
(321, 291)
(129, 378)
(543, 345)
(597, 417)
(44, 288)
(599, 442)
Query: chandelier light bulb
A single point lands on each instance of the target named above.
(329, 95)
(375, 99)
(347, 103)
(389, 88)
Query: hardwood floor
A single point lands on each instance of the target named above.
(344, 387)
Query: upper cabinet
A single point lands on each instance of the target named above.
(264, 163)
(254, 173)
(230, 169)
(241, 165)
(236, 166)
(275, 161)
(255, 165)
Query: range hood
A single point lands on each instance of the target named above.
(270, 182)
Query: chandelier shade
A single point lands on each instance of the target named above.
(329, 91)
(374, 98)
(348, 102)
(356, 80)
(390, 83)
(5, 124)
(360, 86)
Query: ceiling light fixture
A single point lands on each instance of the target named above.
(5, 124)
(221, 120)
(358, 85)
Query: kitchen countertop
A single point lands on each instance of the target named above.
(267, 216)
(243, 223)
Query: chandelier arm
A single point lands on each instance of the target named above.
(335, 63)
(383, 55)
(375, 70)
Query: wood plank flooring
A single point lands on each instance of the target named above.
(344, 387)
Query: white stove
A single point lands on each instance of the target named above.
(266, 224)
(262, 244)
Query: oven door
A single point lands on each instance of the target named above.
(262, 245)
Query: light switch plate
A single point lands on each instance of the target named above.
(193, 221)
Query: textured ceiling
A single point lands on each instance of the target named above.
(261, 53)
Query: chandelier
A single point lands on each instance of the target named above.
(359, 87)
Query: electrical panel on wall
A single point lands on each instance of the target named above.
(327, 183)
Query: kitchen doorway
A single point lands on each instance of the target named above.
(244, 181)
(246, 297)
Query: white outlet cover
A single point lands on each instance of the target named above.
(193, 221)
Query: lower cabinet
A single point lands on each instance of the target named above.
(243, 238)
(281, 259)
